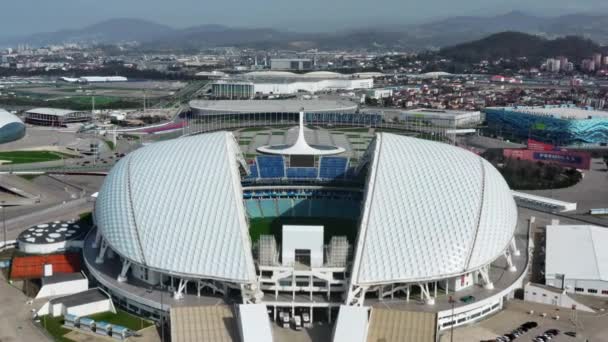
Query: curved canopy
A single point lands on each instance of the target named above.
(301, 147)
(431, 211)
(177, 206)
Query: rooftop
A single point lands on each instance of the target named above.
(80, 298)
(455, 213)
(586, 261)
(201, 202)
(53, 111)
(559, 112)
(274, 106)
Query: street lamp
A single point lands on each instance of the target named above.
(4, 222)
(452, 301)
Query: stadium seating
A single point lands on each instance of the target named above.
(301, 172)
(333, 167)
(253, 168)
(271, 166)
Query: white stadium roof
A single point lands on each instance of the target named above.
(431, 211)
(585, 260)
(273, 106)
(52, 111)
(177, 206)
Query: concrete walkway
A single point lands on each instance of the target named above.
(15, 316)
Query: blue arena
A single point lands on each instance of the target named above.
(560, 125)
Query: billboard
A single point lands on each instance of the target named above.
(577, 160)
(539, 146)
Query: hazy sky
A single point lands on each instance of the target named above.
(29, 16)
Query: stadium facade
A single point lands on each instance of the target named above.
(11, 127)
(267, 83)
(174, 224)
(213, 115)
(561, 125)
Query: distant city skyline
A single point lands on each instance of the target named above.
(34, 16)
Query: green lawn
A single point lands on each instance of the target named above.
(254, 129)
(25, 157)
(110, 144)
(122, 318)
(53, 326)
(274, 226)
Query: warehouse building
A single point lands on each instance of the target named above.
(56, 117)
(581, 267)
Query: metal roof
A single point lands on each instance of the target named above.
(177, 206)
(254, 323)
(274, 106)
(431, 211)
(53, 111)
(578, 252)
(351, 324)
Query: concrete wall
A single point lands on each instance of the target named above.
(63, 288)
(542, 295)
(90, 308)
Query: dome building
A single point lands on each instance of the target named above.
(431, 221)
(11, 127)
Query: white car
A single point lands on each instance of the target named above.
(306, 320)
(297, 322)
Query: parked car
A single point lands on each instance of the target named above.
(297, 322)
(467, 299)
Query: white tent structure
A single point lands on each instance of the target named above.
(454, 215)
(301, 147)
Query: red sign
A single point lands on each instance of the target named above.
(539, 146)
(577, 160)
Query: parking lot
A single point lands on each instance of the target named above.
(589, 327)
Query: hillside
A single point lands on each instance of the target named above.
(517, 44)
(431, 35)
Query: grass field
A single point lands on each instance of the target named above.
(53, 326)
(274, 226)
(25, 157)
(122, 318)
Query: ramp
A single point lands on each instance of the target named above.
(211, 323)
(402, 326)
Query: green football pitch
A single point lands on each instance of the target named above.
(333, 226)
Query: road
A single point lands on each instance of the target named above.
(64, 211)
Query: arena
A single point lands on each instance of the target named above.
(559, 125)
(11, 127)
(417, 226)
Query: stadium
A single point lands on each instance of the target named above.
(559, 125)
(412, 225)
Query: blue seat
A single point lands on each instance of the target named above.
(301, 172)
(333, 167)
(271, 166)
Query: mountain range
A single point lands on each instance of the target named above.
(513, 45)
(431, 35)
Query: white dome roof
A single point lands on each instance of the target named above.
(431, 211)
(177, 206)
